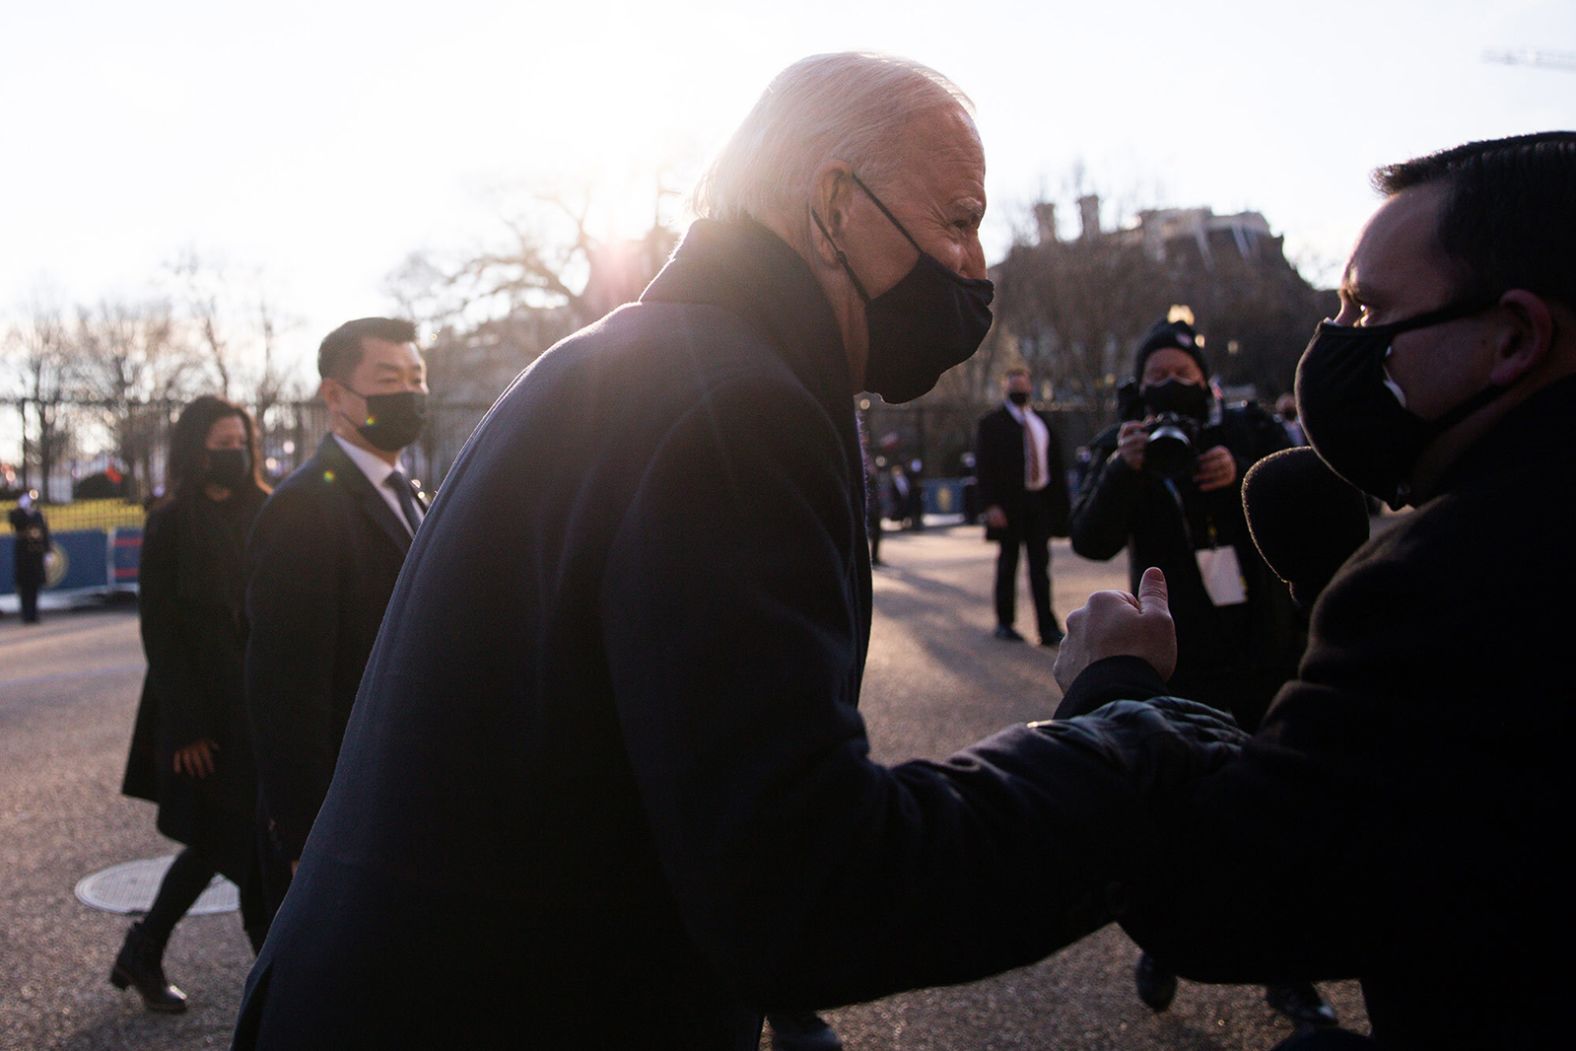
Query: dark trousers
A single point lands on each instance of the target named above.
(28, 593)
(1030, 528)
(184, 883)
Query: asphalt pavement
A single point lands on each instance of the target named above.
(936, 681)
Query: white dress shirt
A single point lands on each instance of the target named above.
(1041, 437)
(377, 471)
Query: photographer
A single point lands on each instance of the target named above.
(1166, 481)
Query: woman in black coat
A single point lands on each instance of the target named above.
(191, 751)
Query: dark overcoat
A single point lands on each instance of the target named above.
(606, 784)
(32, 544)
(1397, 816)
(1235, 657)
(189, 603)
(999, 459)
(321, 564)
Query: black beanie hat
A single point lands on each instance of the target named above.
(1175, 335)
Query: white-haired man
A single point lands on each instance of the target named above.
(606, 783)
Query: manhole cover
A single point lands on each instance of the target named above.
(129, 888)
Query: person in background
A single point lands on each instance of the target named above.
(915, 512)
(970, 487)
(1286, 415)
(899, 494)
(31, 552)
(1023, 489)
(322, 561)
(191, 752)
(1238, 635)
(874, 498)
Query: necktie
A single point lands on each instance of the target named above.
(1031, 455)
(407, 503)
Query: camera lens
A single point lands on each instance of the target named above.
(1169, 451)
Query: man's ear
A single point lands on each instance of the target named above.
(1526, 338)
(831, 196)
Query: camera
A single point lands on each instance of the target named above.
(1172, 448)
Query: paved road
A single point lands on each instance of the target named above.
(936, 681)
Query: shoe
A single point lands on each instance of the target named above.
(1301, 1002)
(141, 965)
(1054, 637)
(1006, 634)
(1157, 987)
(802, 1031)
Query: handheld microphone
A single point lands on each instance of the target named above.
(1304, 518)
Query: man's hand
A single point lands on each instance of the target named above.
(995, 517)
(1130, 443)
(196, 759)
(1116, 624)
(1217, 468)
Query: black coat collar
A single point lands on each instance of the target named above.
(213, 543)
(345, 472)
(1541, 422)
(746, 269)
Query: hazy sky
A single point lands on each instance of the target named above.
(320, 143)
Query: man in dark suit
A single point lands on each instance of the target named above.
(1398, 815)
(1024, 492)
(606, 784)
(32, 551)
(322, 561)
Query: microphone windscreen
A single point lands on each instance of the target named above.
(1304, 518)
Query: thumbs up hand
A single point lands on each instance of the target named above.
(1116, 624)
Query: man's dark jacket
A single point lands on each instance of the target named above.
(1234, 657)
(606, 784)
(322, 561)
(999, 458)
(32, 544)
(1402, 815)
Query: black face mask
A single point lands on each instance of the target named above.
(393, 420)
(228, 468)
(1184, 399)
(1018, 397)
(1351, 412)
(922, 326)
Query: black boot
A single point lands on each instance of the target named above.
(1301, 1002)
(1157, 987)
(141, 964)
(802, 1031)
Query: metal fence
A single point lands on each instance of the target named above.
(940, 434)
(98, 465)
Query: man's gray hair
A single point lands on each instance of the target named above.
(851, 106)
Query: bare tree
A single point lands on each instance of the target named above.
(553, 261)
(1069, 310)
(1073, 309)
(40, 364)
(204, 289)
(236, 323)
(272, 376)
(423, 291)
(135, 368)
(492, 314)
